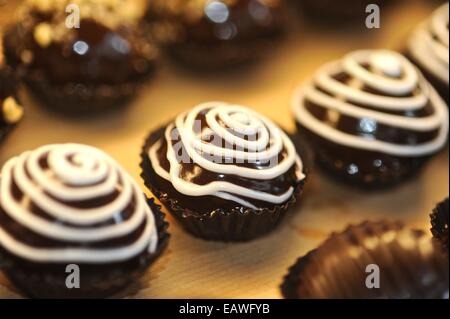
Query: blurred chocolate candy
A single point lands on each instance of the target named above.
(371, 260)
(213, 34)
(439, 223)
(85, 66)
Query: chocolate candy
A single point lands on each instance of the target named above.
(371, 260)
(371, 118)
(224, 171)
(73, 204)
(82, 69)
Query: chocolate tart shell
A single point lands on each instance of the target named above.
(410, 266)
(439, 223)
(239, 224)
(47, 281)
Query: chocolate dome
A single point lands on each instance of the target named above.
(84, 68)
(73, 204)
(217, 34)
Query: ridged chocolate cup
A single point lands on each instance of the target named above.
(410, 266)
(439, 223)
(47, 281)
(233, 225)
(6, 74)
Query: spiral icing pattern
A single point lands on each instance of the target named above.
(227, 140)
(375, 88)
(11, 112)
(74, 203)
(429, 44)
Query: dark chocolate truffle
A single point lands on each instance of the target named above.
(372, 118)
(428, 49)
(11, 112)
(439, 223)
(72, 204)
(81, 68)
(215, 34)
(224, 171)
(371, 260)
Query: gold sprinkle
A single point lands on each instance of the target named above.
(43, 5)
(12, 111)
(43, 34)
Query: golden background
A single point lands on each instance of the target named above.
(192, 268)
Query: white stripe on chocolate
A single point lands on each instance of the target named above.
(74, 173)
(429, 44)
(389, 73)
(228, 122)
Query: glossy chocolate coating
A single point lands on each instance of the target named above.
(214, 218)
(360, 167)
(103, 59)
(410, 266)
(217, 34)
(24, 235)
(439, 223)
(204, 205)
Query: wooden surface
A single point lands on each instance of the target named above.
(192, 268)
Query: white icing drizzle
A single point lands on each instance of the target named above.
(429, 44)
(75, 173)
(386, 67)
(238, 120)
